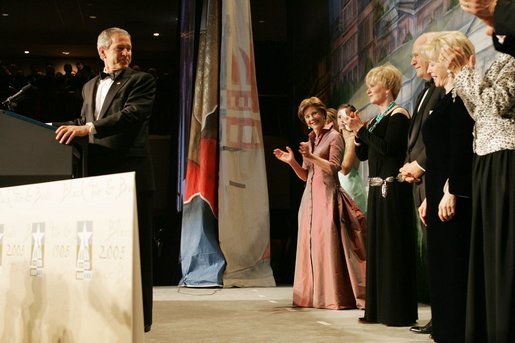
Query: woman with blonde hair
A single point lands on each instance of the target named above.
(490, 100)
(391, 280)
(446, 210)
(330, 264)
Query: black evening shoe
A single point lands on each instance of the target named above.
(363, 320)
(427, 329)
(148, 327)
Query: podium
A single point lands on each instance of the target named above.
(29, 152)
(69, 261)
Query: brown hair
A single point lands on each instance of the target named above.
(345, 106)
(313, 101)
(332, 117)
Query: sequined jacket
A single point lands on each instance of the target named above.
(490, 101)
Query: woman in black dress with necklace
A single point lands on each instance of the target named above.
(446, 211)
(391, 284)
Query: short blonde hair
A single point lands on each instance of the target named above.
(389, 76)
(447, 39)
(313, 101)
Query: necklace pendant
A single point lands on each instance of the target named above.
(381, 115)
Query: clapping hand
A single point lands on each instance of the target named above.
(353, 122)
(304, 149)
(483, 9)
(454, 59)
(285, 156)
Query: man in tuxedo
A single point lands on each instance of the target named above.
(115, 115)
(498, 15)
(414, 168)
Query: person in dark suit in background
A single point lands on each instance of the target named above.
(498, 15)
(414, 169)
(115, 115)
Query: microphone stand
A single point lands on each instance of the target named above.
(10, 102)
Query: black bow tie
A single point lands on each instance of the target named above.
(428, 84)
(103, 75)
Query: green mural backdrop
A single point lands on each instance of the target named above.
(365, 34)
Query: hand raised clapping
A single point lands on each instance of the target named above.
(285, 156)
(288, 156)
(304, 149)
(454, 59)
(353, 122)
(483, 9)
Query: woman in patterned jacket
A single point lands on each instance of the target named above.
(491, 102)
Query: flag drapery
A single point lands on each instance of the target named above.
(243, 194)
(186, 60)
(225, 228)
(202, 262)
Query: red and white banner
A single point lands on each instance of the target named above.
(244, 224)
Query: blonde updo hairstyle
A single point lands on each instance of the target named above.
(447, 39)
(388, 76)
(316, 103)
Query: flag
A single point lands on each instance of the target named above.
(187, 41)
(202, 262)
(244, 223)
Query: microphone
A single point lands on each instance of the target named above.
(18, 94)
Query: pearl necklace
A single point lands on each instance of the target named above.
(380, 116)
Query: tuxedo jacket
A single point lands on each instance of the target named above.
(504, 15)
(120, 143)
(416, 150)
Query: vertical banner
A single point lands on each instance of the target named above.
(202, 261)
(69, 261)
(187, 52)
(244, 223)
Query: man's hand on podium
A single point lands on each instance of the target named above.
(66, 133)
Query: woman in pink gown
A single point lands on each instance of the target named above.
(330, 266)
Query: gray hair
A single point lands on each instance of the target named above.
(104, 38)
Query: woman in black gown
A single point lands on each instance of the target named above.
(391, 282)
(490, 99)
(447, 135)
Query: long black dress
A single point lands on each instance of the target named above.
(489, 98)
(447, 135)
(391, 279)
